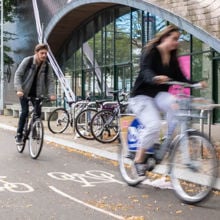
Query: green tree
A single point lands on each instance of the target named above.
(9, 16)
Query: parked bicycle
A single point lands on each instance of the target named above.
(83, 120)
(191, 156)
(61, 118)
(104, 124)
(33, 132)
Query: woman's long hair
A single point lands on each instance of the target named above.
(159, 37)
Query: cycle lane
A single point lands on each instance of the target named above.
(109, 151)
(73, 182)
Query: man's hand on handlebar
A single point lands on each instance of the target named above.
(53, 98)
(20, 94)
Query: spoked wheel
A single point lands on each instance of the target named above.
(127, 168)
(83, 123)
(194, 168)
(36, 139)
(58, 120)
(20, 147)
(105, 126)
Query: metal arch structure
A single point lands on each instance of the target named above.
(181, 22)
(64, 8)
(64, 83)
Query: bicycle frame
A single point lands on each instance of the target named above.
(29, 122)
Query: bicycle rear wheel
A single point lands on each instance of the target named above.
(194, 167)
(58, 120)
(104, 126)
(83, 123)
(36, 139)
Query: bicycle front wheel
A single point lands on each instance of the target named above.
(83, 123)
(36, 139)
(58, 121)
(194, 167)
(104, 126)
(20, 147)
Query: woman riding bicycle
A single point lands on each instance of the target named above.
(150, 96)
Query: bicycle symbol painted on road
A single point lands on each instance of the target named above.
(89, 179)
(14, 187)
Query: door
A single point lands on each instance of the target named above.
(216, 89)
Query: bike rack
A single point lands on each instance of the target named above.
(209, 110)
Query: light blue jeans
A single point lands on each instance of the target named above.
(148, 111)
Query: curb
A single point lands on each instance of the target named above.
(161, 169)
(71, 144)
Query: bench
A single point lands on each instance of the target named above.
(46, 112)
(14, 111)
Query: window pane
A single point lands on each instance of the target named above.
(136, 40)
(184, 43)
(122, 37)
(202, 69)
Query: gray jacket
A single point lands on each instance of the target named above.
(24, 77)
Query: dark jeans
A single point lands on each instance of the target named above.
(25, 110)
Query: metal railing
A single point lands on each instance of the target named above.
(207, 110)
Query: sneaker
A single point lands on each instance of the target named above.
(19, 140)
(140, 168)
(130, 155)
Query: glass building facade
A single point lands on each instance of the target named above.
(103, 54)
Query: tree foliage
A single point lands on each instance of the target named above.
(9, 10)
(9, 16)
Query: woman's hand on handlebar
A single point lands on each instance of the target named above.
(160, 79)
(200, 85)
(203, 84)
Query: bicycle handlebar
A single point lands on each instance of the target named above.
(41, 98)
(184, 84)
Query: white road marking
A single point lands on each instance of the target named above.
(14, 187)
(90, 179)
(85, 204)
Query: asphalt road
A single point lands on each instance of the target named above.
(65, 184)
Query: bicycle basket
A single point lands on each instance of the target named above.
(200, 103)
(189, 106)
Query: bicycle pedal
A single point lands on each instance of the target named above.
(192, 167)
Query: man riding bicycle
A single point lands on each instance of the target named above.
(33, 78)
